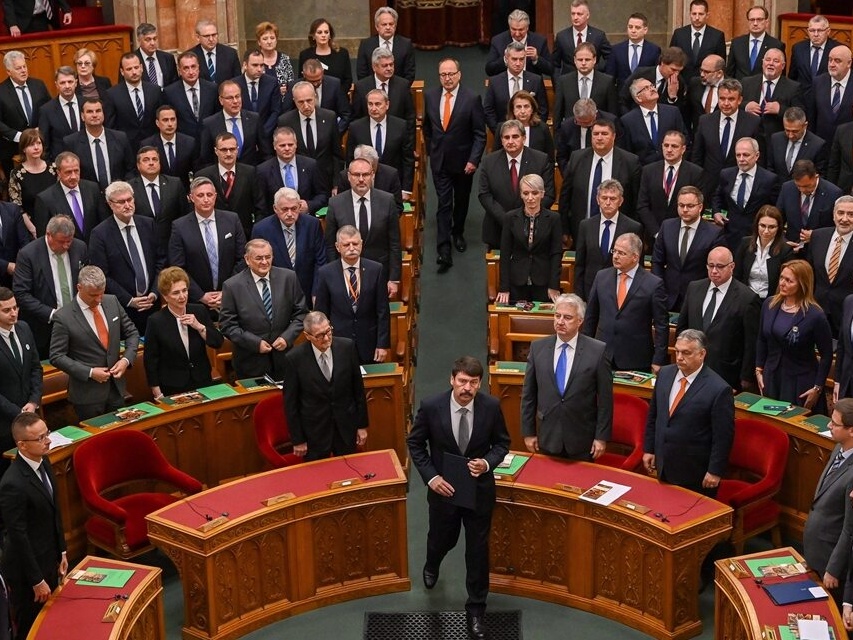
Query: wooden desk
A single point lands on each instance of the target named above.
(493, 259)
(321, 547)
(742, 608)
(548, 544)
(81, 608)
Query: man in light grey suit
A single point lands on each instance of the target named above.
(829, 527)
(85, 345)
(262, 312)
(568, 389)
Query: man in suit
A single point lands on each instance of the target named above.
(578, 197)
(702, 90)
(580, 32)
(829, 254)
(597, 234)
(840, 166)
(632, 53)
(133, 102)
(298, 172)
(455, 137)
(661, 181)
(810, 58)
(296, 238)
(125, 248)
(727, 312)
(499, 193)
(80, 200)
(330, 95)
(374, 214)
(61, 116)
(644, 127)
(192, 98)
(584, 81)
(316, 131)
(830, 102)
(157, 196)
(262, 311)
(747, 51)
(769, 95)
(13, 236)
(259, 91)
(21, 97)
(806, 201)
(666, 76)
(503, 86)
(383, 78)
(237, 188)
(691, 420)
(574, 397)
(843, 362)
(538, 58)
(385, 21)
(45, 274)
(218, 62)
(23, 16)
(253, 147)
(352, 293)
(795, 142)
(159, 66)
(177, 151)
(576, 133)
(324, 397)
(85, 345)
(630, 316)
(105, 154)
(34, 558)
(441, 429)
(385, 177)
(716, 132)
(698, 39)
(207, 243)
(742, 191)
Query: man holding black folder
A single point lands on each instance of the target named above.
(458, 437)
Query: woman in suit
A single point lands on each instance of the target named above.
(760, 256)
(524, 107)
(88, 84)
(792, 326)
(168, 365)
(334, 58)
(531, 248)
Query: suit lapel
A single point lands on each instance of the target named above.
(77, 312)
(7, 352)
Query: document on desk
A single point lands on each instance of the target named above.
(464, 485)
(605, 493)
(813, 629)
(800, 591)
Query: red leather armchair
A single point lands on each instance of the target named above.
(625, 449)
(110, 464)
(272, 434)
(756, 466)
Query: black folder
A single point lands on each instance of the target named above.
(456, 472)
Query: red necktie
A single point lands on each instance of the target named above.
(513, 175)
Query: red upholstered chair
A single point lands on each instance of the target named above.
(107, 467)
(625, 449)
(756, 465)
(272, 434)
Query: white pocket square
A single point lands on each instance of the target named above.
(227, 235)
(115, 319)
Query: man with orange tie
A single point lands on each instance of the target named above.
(85, 345)
(690, 427)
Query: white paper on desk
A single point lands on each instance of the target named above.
(813, 629)
(58, 440)
(605, 493)
(818, 592)
(825, 434)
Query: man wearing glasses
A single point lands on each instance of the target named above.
(324, 393)
(809, 58)
(217, 61)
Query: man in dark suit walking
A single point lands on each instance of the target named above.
(806, 201)
(442, 428)
(628, 55)
(579, 33)
(218, 62)
(747, 51)
(253, 147)
(105, 154)
(61, 116)
(535, 47)
(503, 86)
(833, 276)
(158, 65)
(133, 103)
(157, 196)
(795, 142)
(810, 58)
(726, 311)
(192, 98)
(298, 172)
(583, 81)
(698, 39)
(21, 97)
(385, 21)
(324, 397)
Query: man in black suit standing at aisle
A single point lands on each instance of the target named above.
(535, 47)
(21, 97)
(218, 62)
(442, 428)
(159, 65)
(385, 21)
(698, 39)
(747, 51)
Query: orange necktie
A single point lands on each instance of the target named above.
(835, 260)
(445, 121)
(678, 396)
(622, 291)
(101, 327)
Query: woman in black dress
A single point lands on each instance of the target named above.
(335, 59)
(32, 174)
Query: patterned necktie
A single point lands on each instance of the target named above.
(266, 297)
(445, 120)
(352, 287)
(236, 131)
(212, 253)
(678, 396)
(836, 462)
(835, 260)
(194, 92)
(228, 179)
(290, 241)
(708, 316)
(100, 327)
(580, 40)
(152, 70)
(635, 58)
(211, 68)
(605, 240)
(622, 291)
(836, 98)
(584, 87)
(670, 180)
(562, 368)
(14, 345)
(804, 210)
(324, 366)
(140, 110)
(136, 261)
(28, 107)
(464, 430)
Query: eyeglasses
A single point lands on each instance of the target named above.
(41, 438)
(323, 334)
(208, 35)
(817, 31)
(717, 267)
(360, 176)
(648, 87)
(84, 63)
(445, 76)
(688, 205)
(123, 201)
(619, 253)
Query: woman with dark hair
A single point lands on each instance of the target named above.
(760, 256)
(276, 63)
(88, 84)
(32, 174)
(524, 107)
(792, 327)
(335, 59)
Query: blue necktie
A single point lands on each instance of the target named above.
(593, 195)
(136, 261)
(562, 365)
(605, 240)
(815, 60)
(753, 55)
(140, 111)
(836, 98)
(236, 131)
(727, 134)
(670, 178)
(152, 70)
(211, 69)
(654, 126)
(379, 140)
(212, 253)
(288, 177)
(635, 58)
(267, 297)
(741, 192)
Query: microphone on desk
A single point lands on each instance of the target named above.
(209, 517)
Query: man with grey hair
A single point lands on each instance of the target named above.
(397, 88)
(34, 16)
(576, 132)
(21, 97)
(644, 128)
(292, 170)
(810, 57)
(769, 93)
(217, 62)
(95, 367)
(385, 21)
(159, 65)
(503, 86)
(568, 383)
(538, 58)
(795, 142)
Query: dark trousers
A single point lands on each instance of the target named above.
(528, 292)
(340, 446)
(115, 401)
(24, 609)
(453, 191)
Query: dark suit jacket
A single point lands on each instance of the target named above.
(698, 437)
(173, 204)
(626, 102)
(382, 243)
(706, 151)
(765, 190)
(731, 334)
(602, 91)
(257, 147)
(667, 265)
(844, 352)
(618, 62)
(398, 145)
(820, 215)
(840, 171)
(20, 382)
(400, 102)
(13, 236)
(568, 423)
(800, 68)
(822, 120)
(564, 49)
(465, 138)
(404, 57)
(52, 201)
(369, 324)
(567, 137)
(208, 104)
(315, 407)
(327, 145)
(811, 148)
(713, 42)
(186, 250)
(588, 258)
(385, 179)
(310, 182)
(186, 155)
(744, 259)
(786, 92)
(737, 64)
(830, 295)
(247, 197)
(496, 193)
(637, 139)
(122, 160)
(497, 47)
(652, 205)
(227, 63)
(53, 125)
(497, 97)
(540, 263)
(121, 112)
(332, 97)
(13, 120)
(167, 364)
(19, 13)
(167, 63)
(695, 102)
(244, 321)
(310, 247)
(269, 100)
